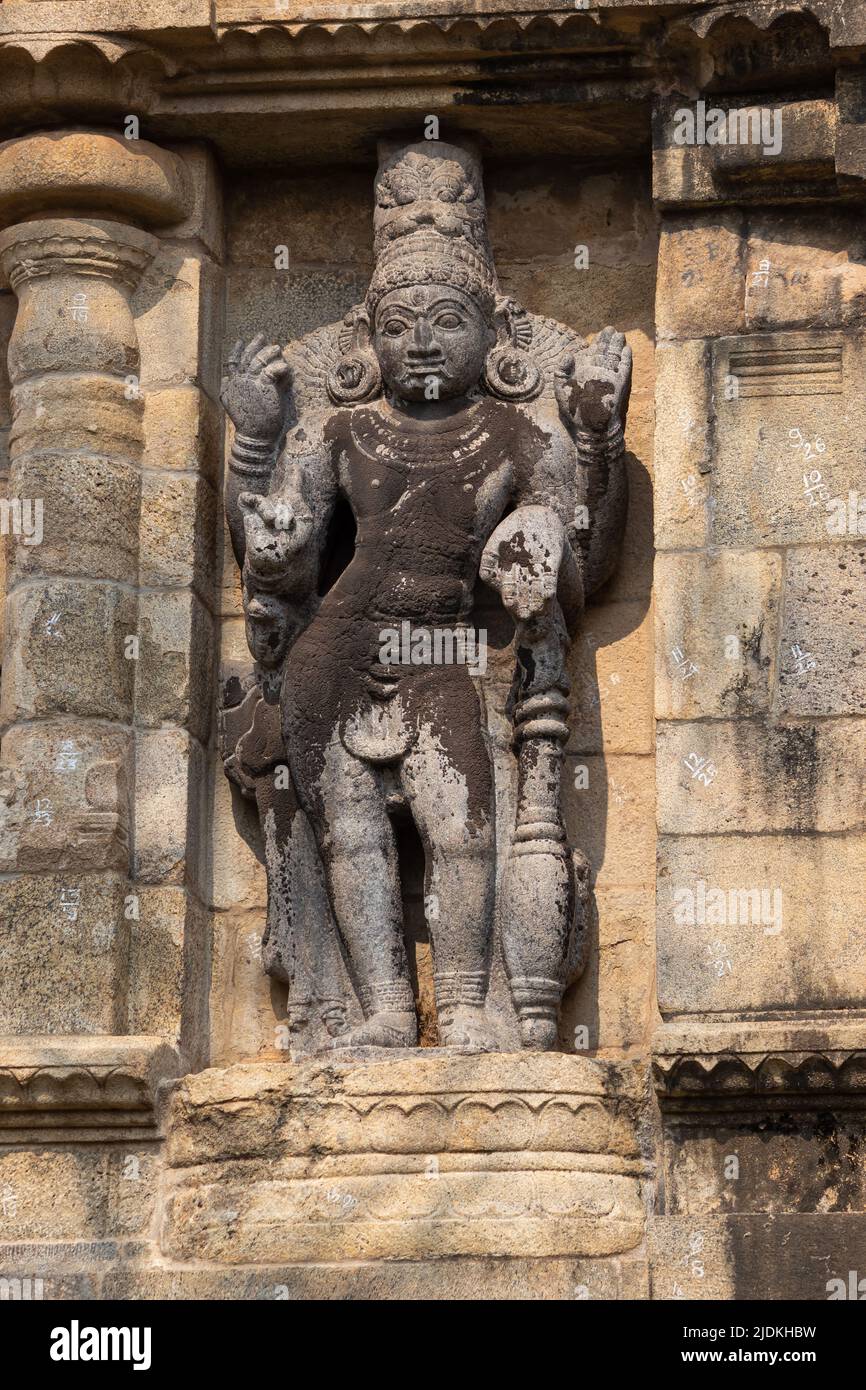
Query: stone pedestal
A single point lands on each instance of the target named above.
(420, 1158)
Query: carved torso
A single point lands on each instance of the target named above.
(425, 496)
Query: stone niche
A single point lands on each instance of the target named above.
(332, 974)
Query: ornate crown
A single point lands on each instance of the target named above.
(426, 258)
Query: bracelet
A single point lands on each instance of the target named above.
(251, 458)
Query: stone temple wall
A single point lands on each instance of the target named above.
(699, 1130)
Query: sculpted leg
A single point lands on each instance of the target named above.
(346, 806)
(453, 809)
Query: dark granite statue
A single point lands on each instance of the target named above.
(439, 435)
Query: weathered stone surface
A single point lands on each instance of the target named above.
(238, 871)
(71, 488)
(789, 777)
(765, 922)
(178, 319)
(66, 797)
(816, 275)
(85, 413)
(612, 681)
(171, 788)
(182, 430)
(609, 816)
(291, 302)
(178, 518)
(247, 1013)
(683, 453)
(60, 927)
(799, 1256)
(316, 218)
(717, 633)
(175, 667)
(700, 277)
(824, 595)
(788, 441)
(168, 965)
(613, 1003)
(819, 1165)
(55, 622)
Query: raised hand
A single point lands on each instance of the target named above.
(592, 386)
(253, 389)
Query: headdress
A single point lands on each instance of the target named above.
(430, 228)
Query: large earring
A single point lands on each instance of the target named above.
(510, 371)
(356, 377)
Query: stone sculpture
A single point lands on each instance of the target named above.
(462, 438)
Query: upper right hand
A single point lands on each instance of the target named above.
(253, 390)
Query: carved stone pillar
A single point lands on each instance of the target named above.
(759, 590)
(72, 606)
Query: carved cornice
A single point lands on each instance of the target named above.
(761, 1065)
(843, 21)
(772, 1074)
(449, 56)
(58, 1086)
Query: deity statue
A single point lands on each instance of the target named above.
(440, 437)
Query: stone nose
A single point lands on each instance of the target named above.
(423, 335)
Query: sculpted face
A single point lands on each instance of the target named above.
(431, 342)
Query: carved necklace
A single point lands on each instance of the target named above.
(435, 445)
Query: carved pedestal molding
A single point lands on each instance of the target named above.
(72, 614)
(704, 1069)
(426, 1155)
(88, 1089)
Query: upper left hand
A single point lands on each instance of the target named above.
(592, 386)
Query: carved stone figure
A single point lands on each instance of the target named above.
(380, 468)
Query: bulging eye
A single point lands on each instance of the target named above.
(449, 321)
(393, 328)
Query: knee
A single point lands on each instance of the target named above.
(457, 841)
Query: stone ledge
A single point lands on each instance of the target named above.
(791, 1062)
(83, 1087)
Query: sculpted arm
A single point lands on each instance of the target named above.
(593, 388)
(277, 509)
(561, 541)
(253, 396)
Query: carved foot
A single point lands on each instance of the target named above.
(381, 1030)
(539, 1034)
(466, 1025)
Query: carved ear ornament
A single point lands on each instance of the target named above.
(511, 372)
(356, 377)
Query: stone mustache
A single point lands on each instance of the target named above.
(461, 439)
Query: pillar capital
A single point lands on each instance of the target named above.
(113, 251)
(92, 172)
